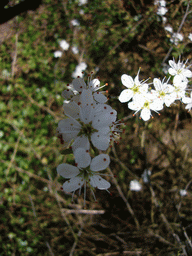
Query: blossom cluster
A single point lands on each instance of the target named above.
(145, 99)
(90, 123)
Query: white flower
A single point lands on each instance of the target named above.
(188, 101)
(86, 172)
(176, 37)
(161, 10)
(135, 88)
(179, 69)
(178, 89)
(162, 91)
(75, 50)
(93, 124)
(146, 176)
(57, 54)
(190, 36)
(146, 103)
(135, 185)
(82, 2)
(169, 28)
(75, 22)
(78, 70)
(79, 85)
(183, 192)
(64, 45)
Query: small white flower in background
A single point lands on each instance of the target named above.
(57, 54)
(64, 45)
(146, 176)
(161, 11)
(183, 192)
(135, 88)
(82, 2)
(75, 50)
(160, 2)
(188, 101)
(75, 22)
(190, 36)
(78, 70)
(179, 69)
(169, 28)
(86, 172)
(176, 38)
(78, 85)
(135, 185)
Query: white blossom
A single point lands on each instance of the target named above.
(57, 54)
(190, 36)
(188, 101)
(176, 38)
(86, 172)
(75, 50)
(135, 88)
(75, 22)
(146, 103)
(179, 69)
(92, 125)
(64, 45)
(135, 185)
(163, 91)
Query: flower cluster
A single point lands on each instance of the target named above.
(90, 125)
(145, 99)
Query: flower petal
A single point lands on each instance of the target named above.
(97, 182)
(100, 162)
(127, 81)
(67, 171)
(81, 142)
(73, 184)
(100, 141)
(71, 109)
(79, 84)
(125, 95)
(82, 158)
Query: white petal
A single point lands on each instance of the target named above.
(125, 95)
(145, 114)
(100, 162)
(73, 184)
(69, 126)
(81, 142)
(97, 182)
(127, 81)
(157, 84)
(99, 97)
(100, 141)
(86, 113)
(82, 158)
(79, 84)
(67, 171)
(86, 97)
(71, 109)
(94, 84)
(135, 185)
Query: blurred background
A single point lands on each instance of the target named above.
(149, 208)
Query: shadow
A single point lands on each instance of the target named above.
(11, 12)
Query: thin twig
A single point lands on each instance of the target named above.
(14, 153)
(34, 213)
(179, 29)
(124, 199)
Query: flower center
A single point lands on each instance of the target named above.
(86, 129)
